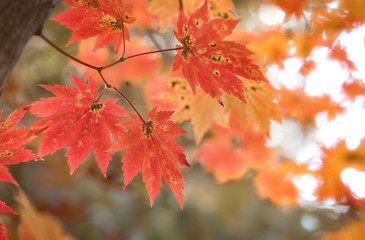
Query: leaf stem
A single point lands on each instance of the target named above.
(123, 41)
(101, 94)
(41, 35)
(181, 5)
(130, 104)
(157, 51)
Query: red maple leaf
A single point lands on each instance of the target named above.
(2, 233)
(4, 208)
(12, 152)
(11, 141)
(105, 19)
(151, 148)
(208, 60)
(73, 118)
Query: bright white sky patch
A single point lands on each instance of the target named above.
(326, 79)
(348, 126)
(355, 180)
(306, 184)
(271, 15)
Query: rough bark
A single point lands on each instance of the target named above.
(19, 21)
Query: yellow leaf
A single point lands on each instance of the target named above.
(36, 225)
(259, 109)
(200, 108)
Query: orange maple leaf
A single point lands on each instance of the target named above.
(232, 152)
(334, 161)
(277, 183)
(338, 53)
(270, 45)
(151, 148)
(291, 7)
(354, 88)
(296, 104)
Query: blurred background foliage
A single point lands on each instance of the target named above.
(89, 206)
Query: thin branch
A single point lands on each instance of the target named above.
(108, 85)
(130, 104)
(112, 64)
(65, 53)
(158, 51)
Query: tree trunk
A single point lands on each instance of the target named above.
(19, 21)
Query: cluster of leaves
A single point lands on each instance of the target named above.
(215, 82)
(12, 151)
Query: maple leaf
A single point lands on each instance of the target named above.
(334, 161)
(143, 18)
(73, 118)
(199, 108)
(332, 22)
(2, 233)
(260, 108)
(307, 67)
(277, 183)
(222, 9)
(269, 45)
(291, 7)
(305, 43)
(339, 53)
(354, 89)
(11, 141)
(151, 148)
(12, 152)
(37, 225)
(208, 60)
(232, 152)
(167, 11)
(105, 19)
(4, 208)
(296, 104)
